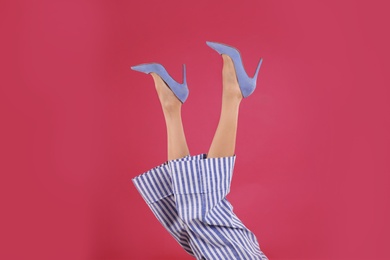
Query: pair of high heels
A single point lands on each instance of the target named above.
(247, 85)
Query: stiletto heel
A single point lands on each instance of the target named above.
(247, 84)
(180, 90)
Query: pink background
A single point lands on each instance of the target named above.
(312, 171)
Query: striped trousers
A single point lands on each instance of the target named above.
(188, 197)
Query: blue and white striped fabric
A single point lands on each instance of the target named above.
(188, 197)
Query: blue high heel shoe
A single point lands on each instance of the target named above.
(247, 84)
(180, 90)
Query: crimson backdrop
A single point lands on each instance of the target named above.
(312, 170)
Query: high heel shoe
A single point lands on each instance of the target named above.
(180, 90)
(247, 84)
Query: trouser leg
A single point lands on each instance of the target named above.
(200, 188)
(155, 186)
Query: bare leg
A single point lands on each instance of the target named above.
(171, 106)
(224, 141)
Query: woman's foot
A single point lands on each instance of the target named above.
(168, 100)
(231, 88)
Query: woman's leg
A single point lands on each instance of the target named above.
(224, 140)
(171, 106)
(200, 187)
(155, 185)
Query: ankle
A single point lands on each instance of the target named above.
(231, 104)
(171, 108)
(231, 96)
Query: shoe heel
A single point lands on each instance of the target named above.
(184, 75)
(257, 70)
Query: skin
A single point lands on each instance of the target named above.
(224, 141)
